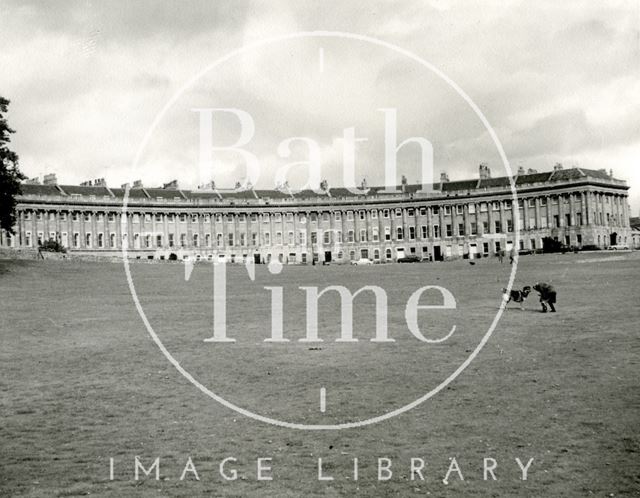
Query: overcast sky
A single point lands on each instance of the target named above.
(558, 81)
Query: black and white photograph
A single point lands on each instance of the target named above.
(287, 248)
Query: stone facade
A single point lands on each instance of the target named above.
(577, 207)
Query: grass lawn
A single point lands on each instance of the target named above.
(83, 382)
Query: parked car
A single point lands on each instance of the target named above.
(409, 259)
(619, 247)
(362, 262)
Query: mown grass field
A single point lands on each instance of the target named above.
(83, 382)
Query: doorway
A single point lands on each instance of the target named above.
(437, 253)
(614, 239)
(327, 256)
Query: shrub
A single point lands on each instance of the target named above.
(52, 246)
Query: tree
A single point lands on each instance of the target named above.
(10, 175)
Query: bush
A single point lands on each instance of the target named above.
(173, 257)
(52, 246)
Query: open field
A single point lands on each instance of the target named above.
(82, 381)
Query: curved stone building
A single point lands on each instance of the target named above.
(578, 207)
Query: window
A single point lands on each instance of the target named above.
(158, 240)
(436, 210)
(219, 217)
(183, 240)
(171, 240)
(387, 233)
(474, 228)
(509, 226)
(302, 237)
(556, 221)
(363, 235)
(314, 237)
(410, 212)
(254, 239)
(194, 218)
(278, 238)
(147, 217)
(292, 239)
(339, 236)
(39, 215)
(243, 239)
(350, 236)
(461, 229)
(543, 201)
(532, 223)
(229, 218)
(87, 216)
(267, 238)
(303, 218)
(485, 227)
(544, 222)
(495, 206)
(449, 229)
(568, 218)
(398, 213)
(399, 233)
(350, 215)
(112, 240)
(183, 218)
(374, 214)
(385, 213)
(578, 218)
(579, 239)
(27, 239)
(424, 231)
(387, 254)
(412, 233)
(459, 209)
(87, 239)
(483, 207)
(531, 203)
(196, 240)
(376, 254)
(136, 218)
(375, 235)
(498, 226)
(447, 210)
(27, 216)
(325, 217)
(278, 217)
(337, 216)
(230, 239)
(207, 239)
(436, 231)
(326, 237)
(100, 240)
(508, 204)
(76, 239)
(423, 211)
(206, 218)
(362, 215)
(313, 217)
(158, 217)
(219, 240)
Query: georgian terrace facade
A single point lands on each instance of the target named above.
(458, 219)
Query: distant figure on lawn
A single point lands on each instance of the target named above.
(548, 296)
(512, 256)
(501, 256)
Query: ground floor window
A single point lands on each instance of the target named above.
(376, 254)
(387, 254)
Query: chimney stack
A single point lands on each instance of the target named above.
(485, 172)
(173, 184)
(137, 184)
(50, 179)
(531, 171)
(100, 182)
(444, 178)
(521, 170)
(557, 167)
